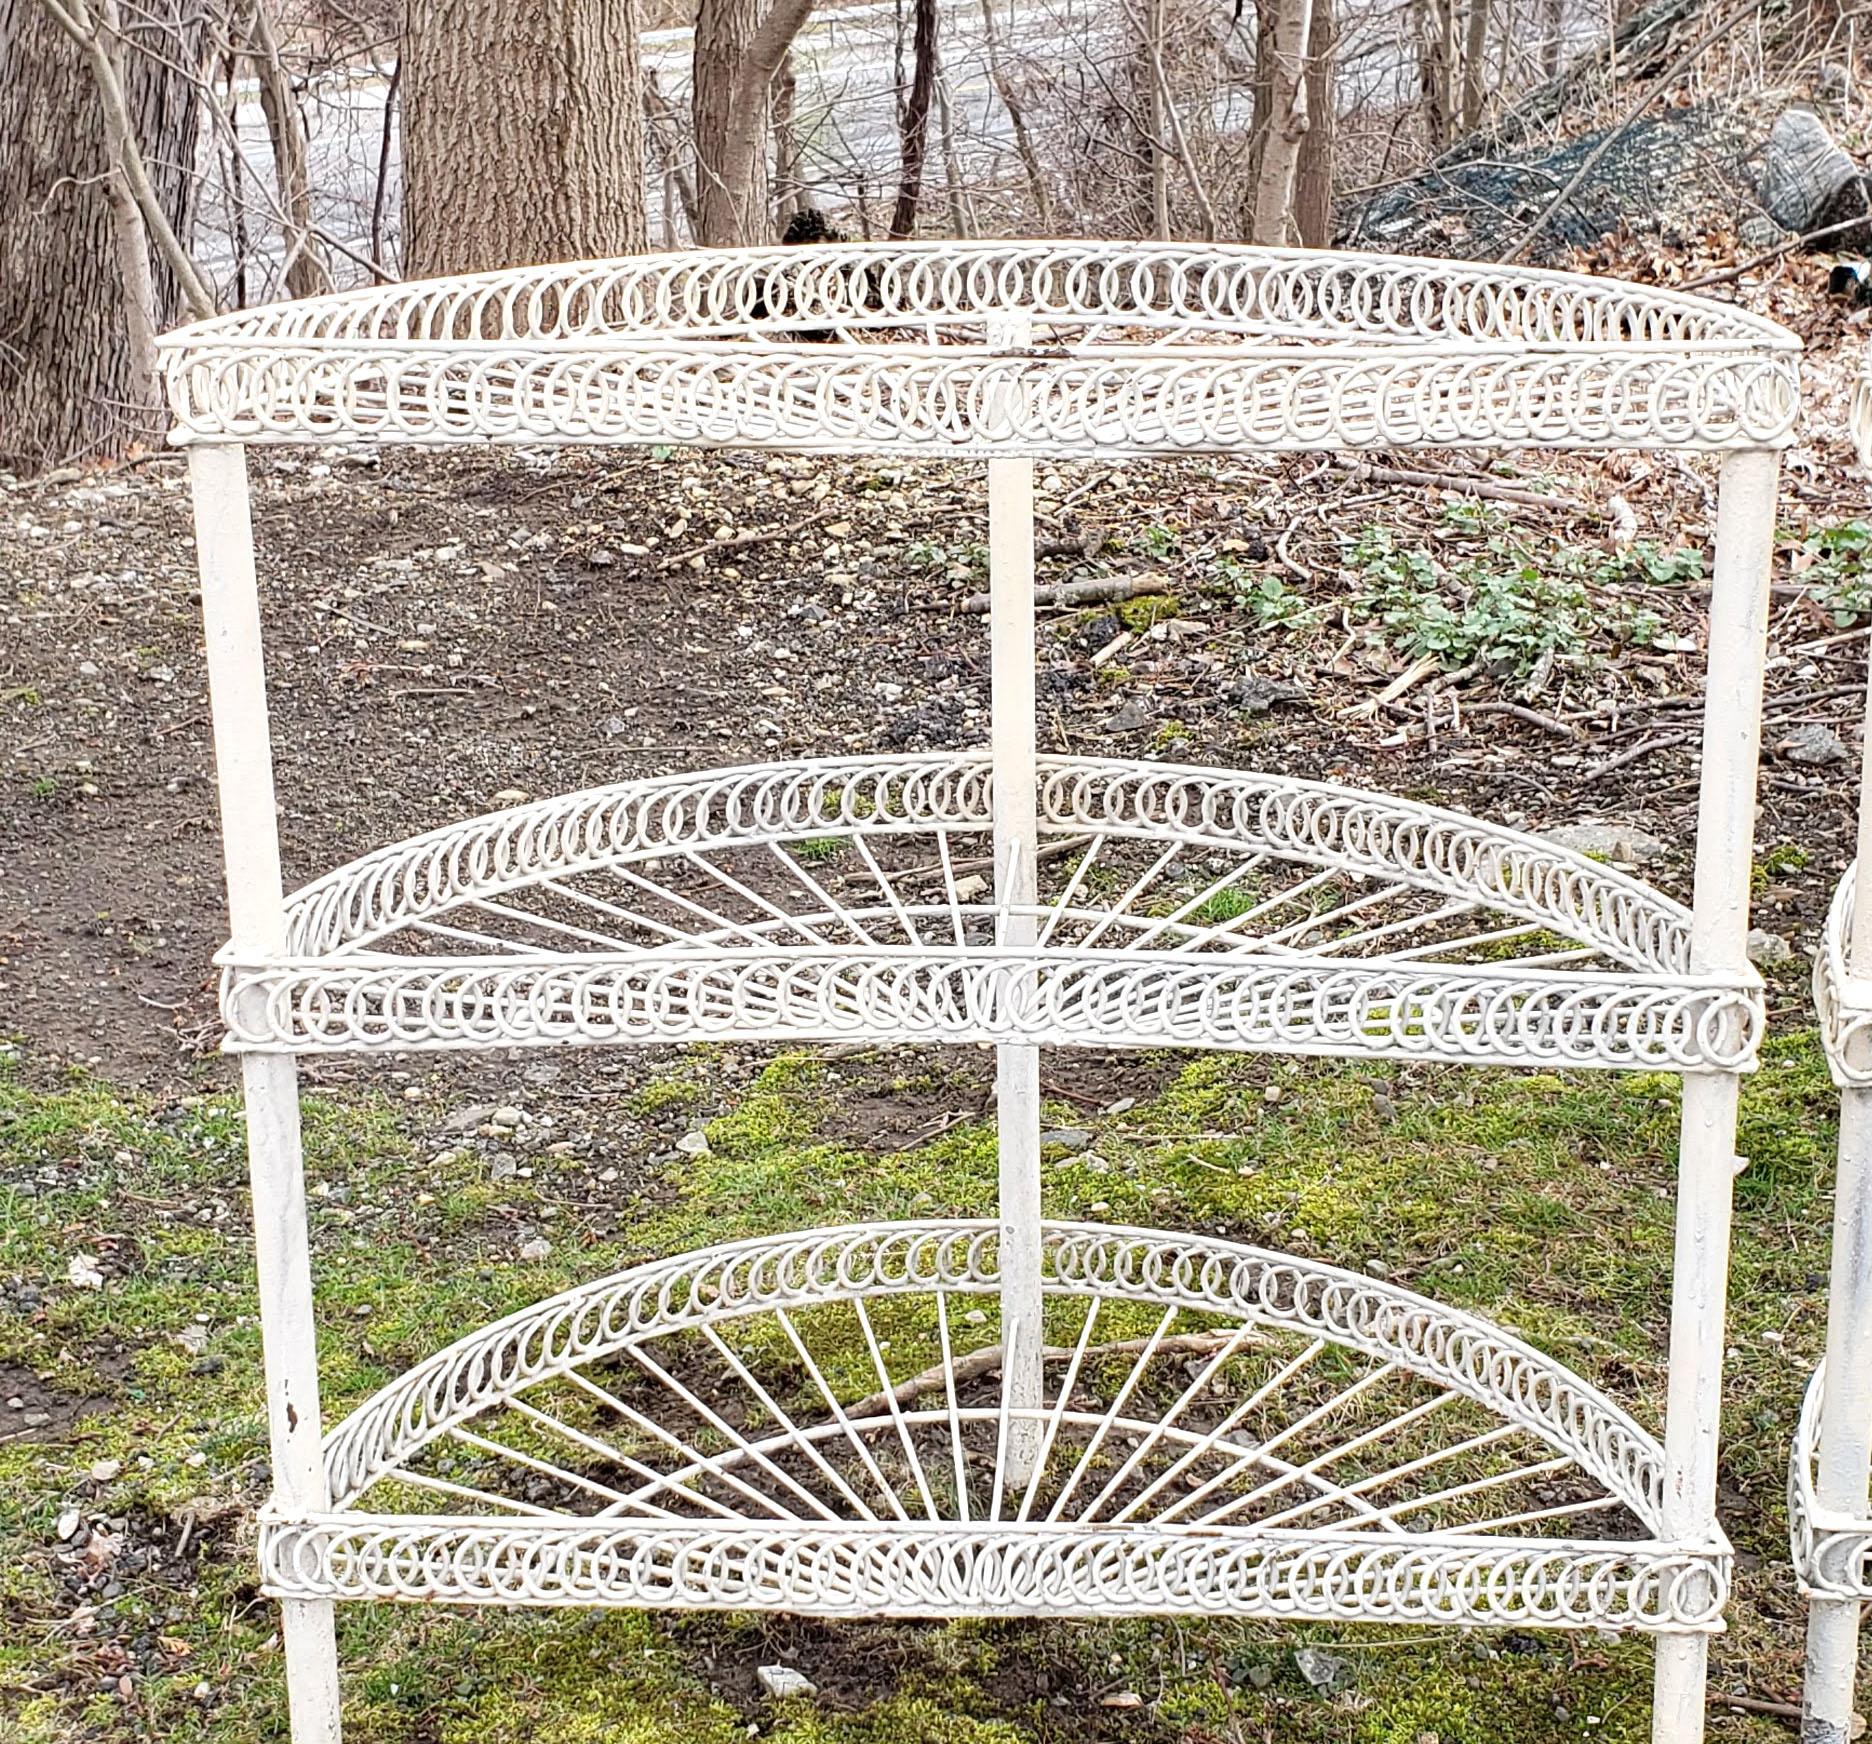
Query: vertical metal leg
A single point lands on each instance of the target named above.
(1016, 837)
(256, 915)
(1845, 1416)
(1845, 1451)
(1706, 1152)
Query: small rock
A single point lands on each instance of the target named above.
(106, 1471)
(512, 796)
(693, 1144)
(467, 1119)
(83, 1273)
(1134, 715)
(502, 1167)
(781, 1681)
(537, 1249)
(1621, 844)
(1071, 1139)
(507, 1116)
(1814, 745)
(1121, 1699)
(1766, 949)
(1324, 1671)
(67, 1525)
(974, 885)
(1256, 696)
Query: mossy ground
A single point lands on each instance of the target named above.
(1543, 1201)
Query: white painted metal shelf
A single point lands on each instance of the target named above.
(852, 897)
(813, 1423)
(1019, 1417)
(1124, 348)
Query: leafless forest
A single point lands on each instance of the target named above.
(161, 159)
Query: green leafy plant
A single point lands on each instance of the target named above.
(1836, 562)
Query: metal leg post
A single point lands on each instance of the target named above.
(1706, 1152)
(1016, 837)
(270, 1082)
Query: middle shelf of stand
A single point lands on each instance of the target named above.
(848, 898)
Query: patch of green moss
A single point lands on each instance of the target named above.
(1145, 609)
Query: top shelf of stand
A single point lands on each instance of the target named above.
(1026, 348)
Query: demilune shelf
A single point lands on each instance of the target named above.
(854, 897)
(1056, 348)
(815, 1423)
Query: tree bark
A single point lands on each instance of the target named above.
(915, 147)
(522, 133)
(72, 385)
(1475, 64)
(1288, 121)
(1313, 175)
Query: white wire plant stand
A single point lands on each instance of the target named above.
(1829, 1497)
(1017, 1417)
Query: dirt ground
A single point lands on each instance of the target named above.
(449, 631)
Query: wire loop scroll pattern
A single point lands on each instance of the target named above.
(832, 898)
(1844, 1004)
(1832, 1552)
(1138, 348)
(814, 1423)
(1860, 416)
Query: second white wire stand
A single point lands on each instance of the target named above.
(1020, 1417)
(1830, 1476)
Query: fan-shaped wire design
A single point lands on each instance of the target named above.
(1018, 347)
(853, 897)
(815, 1423)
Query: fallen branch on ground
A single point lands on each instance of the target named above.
(1099, 590)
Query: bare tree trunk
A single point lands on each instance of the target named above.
(737, 53)
(1017, 122)
(665, 137)
(1313, 177)
(307, 274)
(1156, 122)
(76, 353)
(522, 133)
(1288, 121)
(1475, 64)
(916, 123)
(1553, 22)
(961, 212)
(1436, 48)
(788, 189)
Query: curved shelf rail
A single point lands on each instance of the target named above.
(815, 1423)
(1055, 348)
(1844, 1003)
(1832, 1551)
(843, 897)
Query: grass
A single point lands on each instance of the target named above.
(1544, 1201)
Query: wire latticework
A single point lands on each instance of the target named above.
(1015, 348)
(854, 897)
(816, 1423)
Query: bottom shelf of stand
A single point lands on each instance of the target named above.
(818, 1423)
(1832, 1550)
